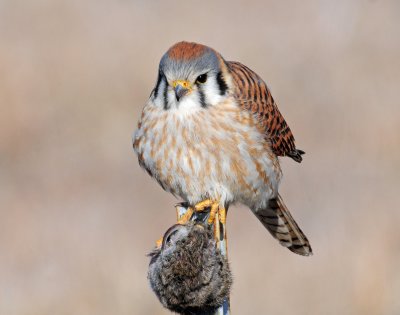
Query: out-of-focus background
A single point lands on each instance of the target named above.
(78, 215)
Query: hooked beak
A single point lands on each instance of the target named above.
(181, 88)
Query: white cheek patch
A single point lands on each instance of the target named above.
(212, 92)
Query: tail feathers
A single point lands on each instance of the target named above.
(280, 223)
(296, 155)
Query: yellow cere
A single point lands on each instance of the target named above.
(183, 83)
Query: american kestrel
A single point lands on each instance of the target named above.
(211, 133)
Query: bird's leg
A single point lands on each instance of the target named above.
(213, 212)
(216, 218)
(215, 209)
(222, 214)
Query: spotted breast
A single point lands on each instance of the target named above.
(216, 152)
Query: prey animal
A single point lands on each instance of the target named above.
(211, 133)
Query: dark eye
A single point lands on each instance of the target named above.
(202, 78)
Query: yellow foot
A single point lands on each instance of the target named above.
(222, 214)
(186, 217)
(202, 205)
(214, 210)
(217, 214)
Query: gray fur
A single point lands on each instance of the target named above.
(188, 273)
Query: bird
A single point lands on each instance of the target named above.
(211, 134)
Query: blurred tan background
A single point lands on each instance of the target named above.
(78, 215)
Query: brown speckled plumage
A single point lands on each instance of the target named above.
(253, 95)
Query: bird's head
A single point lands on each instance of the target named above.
(191, 76)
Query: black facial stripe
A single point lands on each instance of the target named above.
(223, 87)
(158, 84)
(202, 98)
(166, 105)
